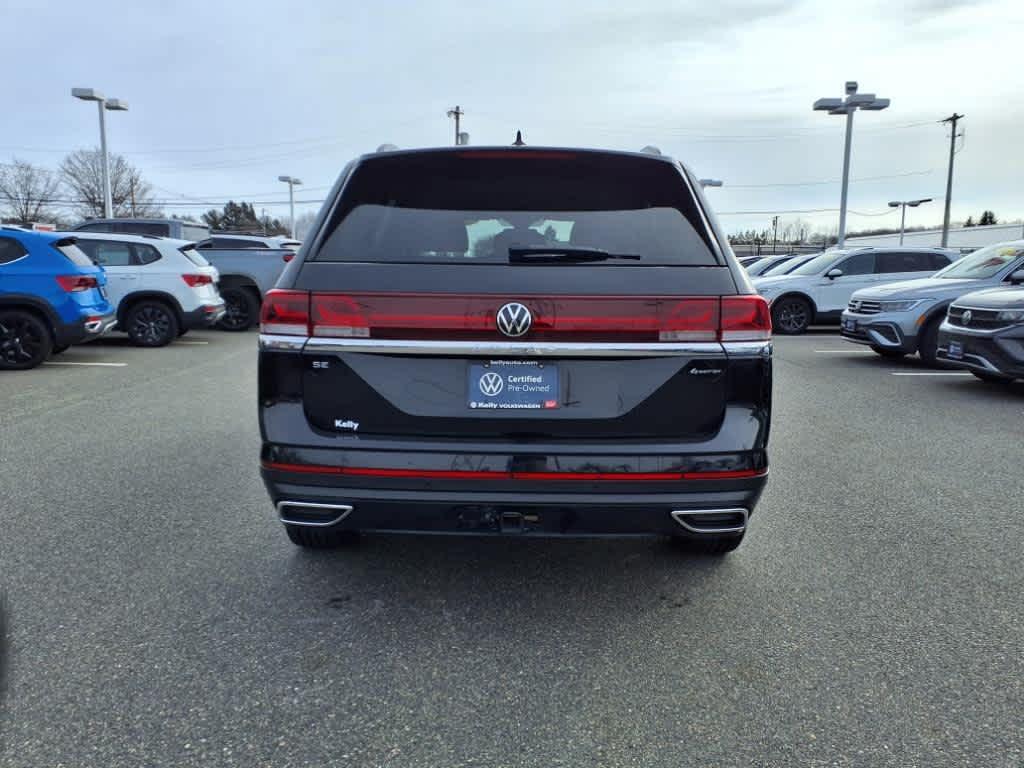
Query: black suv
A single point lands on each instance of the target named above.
(518, 341)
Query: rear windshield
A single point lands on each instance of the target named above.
(473, 207)
(74, 254)
(194, 256)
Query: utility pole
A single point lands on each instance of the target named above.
(456, 113)
(131, 188)
(775, 233)
(952, 120)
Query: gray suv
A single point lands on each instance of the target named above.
(901, 318)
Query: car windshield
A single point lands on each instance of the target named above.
(984, 263)
(818, 264)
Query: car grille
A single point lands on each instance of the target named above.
(980, 319)
(865, 307)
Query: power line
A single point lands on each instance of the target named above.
(831, 181)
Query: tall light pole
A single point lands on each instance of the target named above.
(291, 181)
(114, 105)
(848, 106)
(904, 204)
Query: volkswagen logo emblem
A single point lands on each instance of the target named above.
(966, 317)
(491, 384)
(514, 319)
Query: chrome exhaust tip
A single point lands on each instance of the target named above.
(712, 520)
(312, 514)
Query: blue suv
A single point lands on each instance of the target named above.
(51, 296)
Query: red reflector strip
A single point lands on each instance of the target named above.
(451, 474)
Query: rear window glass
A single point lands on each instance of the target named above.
(195, 256)
(473, 207)
(75, 255)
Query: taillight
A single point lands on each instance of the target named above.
(745, 318)
(285, 312)
(458, 317)
(74, 283)
(288, 257)
(194, 281)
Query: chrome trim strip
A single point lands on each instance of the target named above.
(286, 343)
(679, 514)
(748, 348)
(514, 348)
(344, 511)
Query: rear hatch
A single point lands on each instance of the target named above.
(205, 289)
(518, 294)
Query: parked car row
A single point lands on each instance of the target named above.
(901, 318)
(249, 265)
(58, 289)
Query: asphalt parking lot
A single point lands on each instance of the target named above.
(160, 617)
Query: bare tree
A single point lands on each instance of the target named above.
(130, 194)
(28, 192)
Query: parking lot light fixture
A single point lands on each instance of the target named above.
(904, 204)
(847, 107)
(291, 181)
(114, 105)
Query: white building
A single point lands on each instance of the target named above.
(961, 237)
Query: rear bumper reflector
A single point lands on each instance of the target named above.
(451, 474)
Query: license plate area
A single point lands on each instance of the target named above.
(956, 350)
(513, 385)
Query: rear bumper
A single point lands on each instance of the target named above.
(85, 329)
(530, 499)
(204, 316)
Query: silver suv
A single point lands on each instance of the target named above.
(899, 319)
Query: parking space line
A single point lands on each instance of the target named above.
(98, 365)
(193, 343)
(931, 373)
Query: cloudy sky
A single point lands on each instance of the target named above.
(226, 96)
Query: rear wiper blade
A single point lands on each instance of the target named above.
(544, 254)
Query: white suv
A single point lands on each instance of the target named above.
(241, 242)
(161, 288)
(819, 291)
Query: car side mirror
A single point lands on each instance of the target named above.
(1017, 278)
(832, 274)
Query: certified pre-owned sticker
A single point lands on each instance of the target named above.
(513, 385)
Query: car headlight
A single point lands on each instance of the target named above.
(1011, 315)
(900, 306)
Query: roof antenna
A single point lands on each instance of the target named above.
(519, 140)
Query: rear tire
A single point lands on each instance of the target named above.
(891, 354)
(928, 346)
(151, 324)
(243, 309)
(713, 546)
(25, 340)
(791, 315)
(309, 537)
